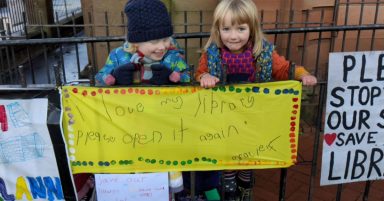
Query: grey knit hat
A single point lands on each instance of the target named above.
(147, 20)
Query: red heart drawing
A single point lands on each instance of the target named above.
(330, 138)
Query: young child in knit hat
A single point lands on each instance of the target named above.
(150, 55)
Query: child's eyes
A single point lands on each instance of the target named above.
(225, 29)
(242, 28)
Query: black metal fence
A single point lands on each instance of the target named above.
(307, 38)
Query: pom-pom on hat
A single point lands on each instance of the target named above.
(147, 20)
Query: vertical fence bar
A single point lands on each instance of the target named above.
(76, 45)
(375, 21)
(201, 30)
(366, 190)
(186, 39)
(305, 37)
(283, 183)
(288, 53)
(61, 49)
(319, 122)
(334, 23)
(345, 23)
(93, 68)
(276, 24)
(107, 29)
(22, 80)
(360, 22)
(319, 43)
(44, 50)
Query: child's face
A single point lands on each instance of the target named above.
(234, 36)
(154, 49)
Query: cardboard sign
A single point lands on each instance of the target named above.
(354, 125)
(157, 129)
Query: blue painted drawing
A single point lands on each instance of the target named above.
(21, 148)
(19, 117)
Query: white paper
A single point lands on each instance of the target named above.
(132, 187)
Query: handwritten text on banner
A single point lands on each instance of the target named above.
(151, 129)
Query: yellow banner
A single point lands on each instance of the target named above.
(152, 129)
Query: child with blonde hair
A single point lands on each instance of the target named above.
(238, 42)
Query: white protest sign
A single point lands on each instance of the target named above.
(353, 145)
(132, 187)
(28, 169)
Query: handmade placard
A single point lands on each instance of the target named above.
(154, 129)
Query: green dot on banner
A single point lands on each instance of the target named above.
(175, 163)
(248, 89)
(147, 160)
(189, 161)
(204, 159)
(161, 161)
(168, 162)
(183, 163)
(238, 90)
(197, 159)
(214, 88)
(121, 162)
(113, 162)
(140, 158)
(222, 88)
(153, 161)
(130, 162)
(231, 88)
(90, 163)
(84, 163)
(214, 161)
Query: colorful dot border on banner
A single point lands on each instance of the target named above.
(182, 163)
(92, 92)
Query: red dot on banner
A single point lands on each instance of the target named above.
(293, 118)
(85, 93)
(292, 140)
(293, 145)
(294, 111)
(116, 91)
(123, 91)
(130, 90)
(293, 157)
(293, 123)
(186, 91)
(193, 90)
(157, 92)
(293, 128)
(136, 91)
(142, 92)
(293, 151)
(295, 99)
(93, 93)
(296, 106)
(100, 91)
(74, 90)
(107, 91)
(292, 135)
(150, 91)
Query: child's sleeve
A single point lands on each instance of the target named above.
(178, 64)
(202, 68)
(280, 68)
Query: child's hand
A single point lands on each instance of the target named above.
(160, 74)
(208, 81)
(309, 80)
(124, 74)
(174, 77)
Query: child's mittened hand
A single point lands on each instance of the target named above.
(109, 80)
(160, 74)
(309, 80)
(174, 77)
(208, 81)
(124, 74)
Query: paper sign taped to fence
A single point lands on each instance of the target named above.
(353, 145)
(28, 169)
(132, 187)
(152, 129)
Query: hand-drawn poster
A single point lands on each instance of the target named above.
(28, 169)
(354, 126)
(132, 187)
(154, 129)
